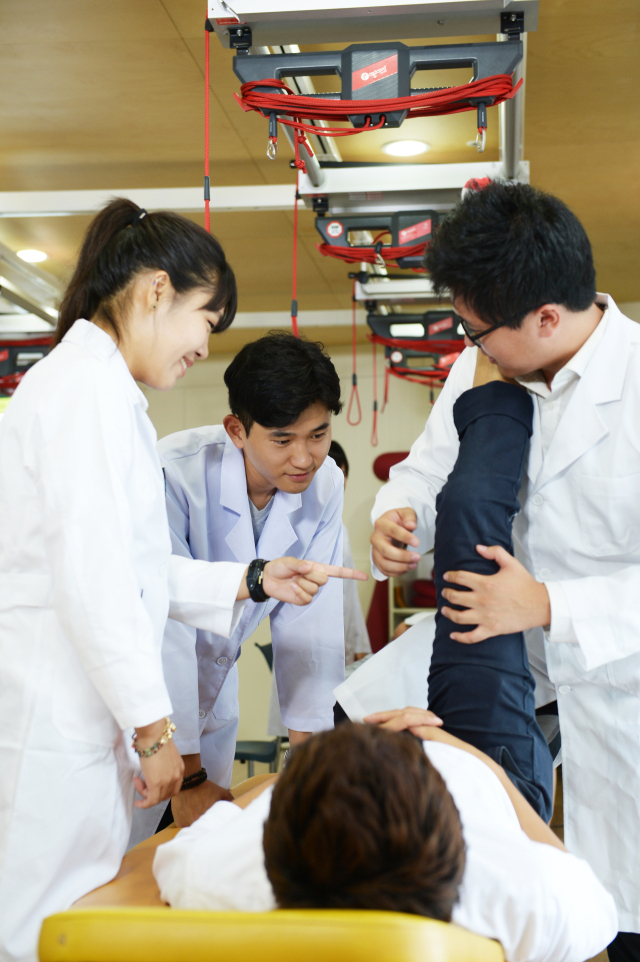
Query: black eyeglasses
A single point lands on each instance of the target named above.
(475, 337)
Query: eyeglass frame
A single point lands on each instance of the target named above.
(476, 337)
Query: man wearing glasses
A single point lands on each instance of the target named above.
(519, 268)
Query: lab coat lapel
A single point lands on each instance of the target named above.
(234, 501)
(581, 425)
(279, 534)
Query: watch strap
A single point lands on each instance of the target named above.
(254, 580)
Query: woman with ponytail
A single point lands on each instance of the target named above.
(87, 578)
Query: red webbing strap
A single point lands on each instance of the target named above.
(294, 282)
(385, 400)
(369, 255)
(266, 97)
(207, 215)
(355, 397)
(374, 427)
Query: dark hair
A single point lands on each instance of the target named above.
(336, 451)
(119, 244)
(507, 249)
(360, 818)
(273, 380)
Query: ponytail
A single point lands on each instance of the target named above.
(123, 241)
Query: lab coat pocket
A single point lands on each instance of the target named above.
(77, 710)
(609, 513)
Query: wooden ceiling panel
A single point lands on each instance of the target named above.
(38, 24)
(109, 94)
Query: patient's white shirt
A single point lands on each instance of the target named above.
(540, 903)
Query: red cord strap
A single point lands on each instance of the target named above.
(370, 255)
(355, 397)
(266, 97)
(207, 215)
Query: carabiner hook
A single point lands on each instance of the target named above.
(272, 149)
(481, 139)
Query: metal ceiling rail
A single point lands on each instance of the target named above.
(360, 21)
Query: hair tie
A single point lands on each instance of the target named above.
(139, 216)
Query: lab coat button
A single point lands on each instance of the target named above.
(537, 499)
(564, 689)
(545, 573)
(201, 713)
(222, 660)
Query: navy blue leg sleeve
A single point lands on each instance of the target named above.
(484, 692)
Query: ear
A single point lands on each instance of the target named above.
(158, 286)
(547, 319)
(234, 428)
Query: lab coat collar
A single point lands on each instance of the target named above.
(581, 425)
(101, 345)
(277, 535)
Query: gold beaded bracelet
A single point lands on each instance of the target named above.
(166, 736)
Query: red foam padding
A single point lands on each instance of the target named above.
(384, 462)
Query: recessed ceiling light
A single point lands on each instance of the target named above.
(406, 148)
(33, 257)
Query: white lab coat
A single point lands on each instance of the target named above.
(86, 582)
(209, 517)
(579, 532)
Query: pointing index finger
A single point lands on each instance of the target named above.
(335, 571)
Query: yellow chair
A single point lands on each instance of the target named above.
(300, 935)
(126, 921)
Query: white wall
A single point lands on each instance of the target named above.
(200, 398)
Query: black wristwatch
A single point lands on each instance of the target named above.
(254, 580)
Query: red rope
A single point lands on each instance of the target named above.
(374, 428)
(385, 400)
(368, 255)
(207, 216)
(294, 283)
(450, 100)
(354, 377)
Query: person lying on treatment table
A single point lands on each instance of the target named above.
(370, 817)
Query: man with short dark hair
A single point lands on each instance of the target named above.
(519, 268)
(368, 818)
(257, 485)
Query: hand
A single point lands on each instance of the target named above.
(416, 720)
(189, 805)
(391, 532)
(509, 601)
(297, 582)
(161, 775)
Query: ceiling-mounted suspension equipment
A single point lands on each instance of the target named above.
(376, 86)
(399, 238)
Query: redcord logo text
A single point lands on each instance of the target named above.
(375, 71)
(442, 325)
(415, 231)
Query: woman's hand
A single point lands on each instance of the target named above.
(162, 772)
(416, 720)
(297, 582)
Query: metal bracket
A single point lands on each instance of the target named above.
(512, 24)
(406, 228)
(373, 71)
(240, 40)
